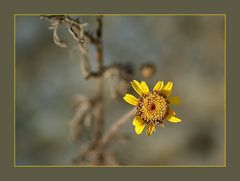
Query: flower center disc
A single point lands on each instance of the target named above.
(152, 107)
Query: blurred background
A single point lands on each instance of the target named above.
(189, 50)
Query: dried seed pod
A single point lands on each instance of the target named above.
(147, 70)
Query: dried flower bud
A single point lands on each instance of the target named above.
(147, 70)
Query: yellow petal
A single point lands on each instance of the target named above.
(173, 119)
(137, 87)
(168, 86)
(139, 129)
(131, 99)
(150, 129)
(167, 89)
(145, 88)
(137, 121)
(174, 100)
(158, 86)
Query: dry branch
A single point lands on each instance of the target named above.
(93, 151)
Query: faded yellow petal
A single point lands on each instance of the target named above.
(171, 112)
(167, 89)
(137, 121)
(139, 129)
(162, 125)
(131, 99)
(158, 86)
(137, 87)
(173, 119)
(150, 129)
(145, 88)
(174, 100)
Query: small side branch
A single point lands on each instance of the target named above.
(109, 134)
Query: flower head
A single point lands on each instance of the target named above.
(152, 106)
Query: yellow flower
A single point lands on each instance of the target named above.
(152, 107)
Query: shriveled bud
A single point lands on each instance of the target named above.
(147, 70)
